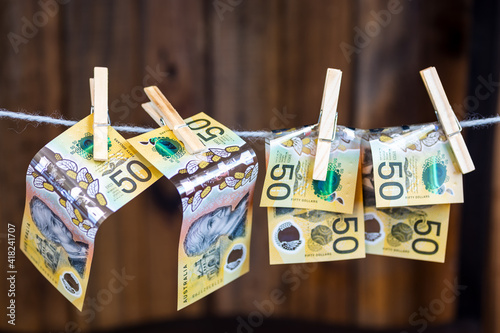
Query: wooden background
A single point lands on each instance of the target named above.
(259, 65)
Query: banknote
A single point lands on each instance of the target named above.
(216, 188)
(69, 195)
(415, 168)
(298, 235)
(289, 182)
(414, 232)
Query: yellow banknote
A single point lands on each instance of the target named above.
(415, 168)
(408, 232)
(414, 232)
(289, 182)
(216, 189)
(69, 195)
(298, 235)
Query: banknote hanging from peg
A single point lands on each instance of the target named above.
(411, 174)
(214, 171)
(72, 185)
(313, 188)
(325, 186)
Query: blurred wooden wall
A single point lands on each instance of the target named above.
(259, 65)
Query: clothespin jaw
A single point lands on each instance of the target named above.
(327, 123)
(164, 114)
(447, 118)
(99, 99)
(154, 113)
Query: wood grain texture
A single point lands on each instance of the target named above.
(99, 98)
(153, 112)
(492, 299)
(447, 118)
(389, 92)
(260, 65)
(173, 120)
(327, 123)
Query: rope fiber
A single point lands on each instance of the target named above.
(28, 117)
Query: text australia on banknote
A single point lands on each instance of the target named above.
(69, 195)
(216, 189)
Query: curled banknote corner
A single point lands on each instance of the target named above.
(216, 189)
(69, 195)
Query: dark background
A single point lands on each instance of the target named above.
(254, 64)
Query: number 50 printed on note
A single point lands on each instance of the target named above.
(415, 168)
(68, 197)
(216, 188)
(289, 180)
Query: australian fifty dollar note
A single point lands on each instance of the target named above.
(69, 195)
(289, 182)
(216, 189)
(413, 232)
(299, 235)
(416, 167)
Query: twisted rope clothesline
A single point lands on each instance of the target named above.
(475, 123)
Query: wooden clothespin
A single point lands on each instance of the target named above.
(447, 118)
(99, 100)
(164, 114)
(327, 123)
